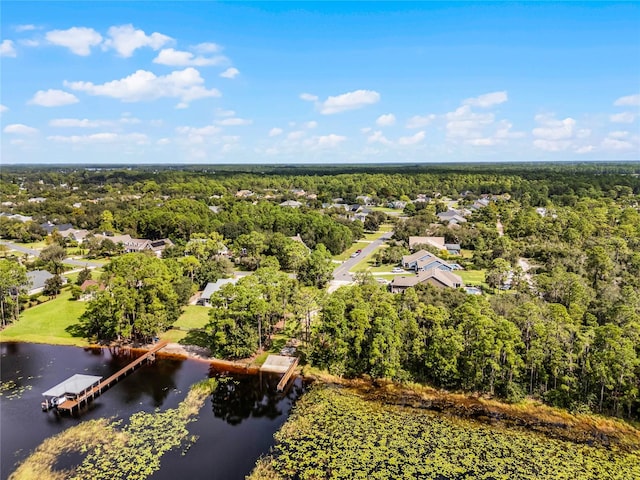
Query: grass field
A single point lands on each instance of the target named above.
(48, 322)
(194, 317)
(471, 277)
(335, 433)
(347, 253)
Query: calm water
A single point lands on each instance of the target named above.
(235, 426)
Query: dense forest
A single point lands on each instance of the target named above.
(558, 320)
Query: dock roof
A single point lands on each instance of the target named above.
(74, 385)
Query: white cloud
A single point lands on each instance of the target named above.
(325, 141)
(308, 97)
(628, 101)
(53, 98)
(418, 121)
(463, 123)
(230, 73)
(585, 149)
(3, 108)
(274, 132)
(104, 137)
(295, 135)
(186, 85)
(29, 42)
(77, 123)
(234, 122)
(366, 129)
(178, 58)
(487, 100)
(553, 129)
(77, 39)
(24, 28)
(349, 101)
(7, 49)
(20, 129)
(207, 47)
(386, 120)
(220, 112)
(482, 142)
(163, 141)
(378, 137)
(624, 117)
(125, 40)
(182, 105)
(616, 144)
(204, 131)
(552, 145)
(619, 134)
(412, 140)
(312, 124)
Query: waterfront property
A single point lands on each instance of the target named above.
(72, 388)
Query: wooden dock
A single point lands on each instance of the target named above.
(69, 405)
(287, 375)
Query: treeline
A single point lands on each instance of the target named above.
(509, 346)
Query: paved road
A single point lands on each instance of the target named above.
(341, 273)
(36, 253)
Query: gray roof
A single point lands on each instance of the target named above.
(212, 288)
(38, 278)
(73, 385)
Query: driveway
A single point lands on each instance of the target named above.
(341, 273)
(36, 253)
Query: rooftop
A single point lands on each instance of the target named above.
(74, 385)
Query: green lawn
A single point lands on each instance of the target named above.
(471, 277)
(376, 235)
(194, 317)
(48, 322)
(347, 253)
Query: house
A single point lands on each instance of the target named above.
(398, 204)
(481, 203)
(435, 242)
(139, 244)
(298, 192)
(452, 216)
(89, 289)
(423, 260)
(244, 193)
(211, 288)
(365, 199)
(291, 204)
(214, 208)
(75, 234)
(453, 248)
(37, 200)
(50, 227)
(36, 280)
(17, 216)
(434, 276)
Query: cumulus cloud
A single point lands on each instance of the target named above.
(349, 101)
(386, 120)
(203, 131)
(413, 139)
(29, 42)
(3, 108)
(186, 85)
(101, 138)
(624, 117)
(325, 141)
(207, 47)
(7, 49)
(585, 149)
(378, 137)
(178, 58)
(53, 98)
(234, 122)
(628, 101)
(308, 97)
(79, 40)
(487, 100)
(20, 129)
(24, 28)
(553, 129)
(77, 123)
(125, 40)
(274, 132)
(312, 124)
(463, 123)
(163, 141)
(418, 121)
(295, 135)
(230, 73)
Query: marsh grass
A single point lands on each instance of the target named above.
(338, 433)
(110, 450)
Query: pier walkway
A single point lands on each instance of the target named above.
(70, 404)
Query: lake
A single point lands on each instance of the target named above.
(234, 428)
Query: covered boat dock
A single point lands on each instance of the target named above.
(70, 389)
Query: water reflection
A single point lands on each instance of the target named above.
(244, 396)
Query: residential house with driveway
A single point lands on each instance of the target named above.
(423, 261)
(433, 276)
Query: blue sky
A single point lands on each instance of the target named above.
(329, 82)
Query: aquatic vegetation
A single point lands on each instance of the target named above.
(335, 433)
(111, 450)
(11, 390)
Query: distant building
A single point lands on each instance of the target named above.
(211, 288)
(291, 204)
(139, 244)
(434, 276)
(435, 242)
(17, 216)
(423, 260)
(451, 216)
(37, 200)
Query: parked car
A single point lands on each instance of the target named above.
(397, 270)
